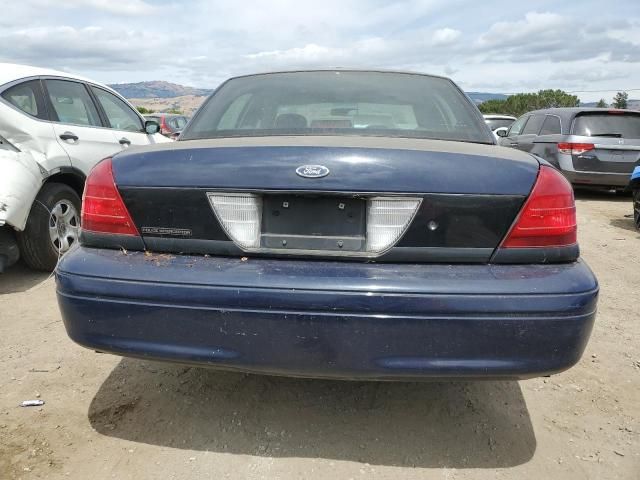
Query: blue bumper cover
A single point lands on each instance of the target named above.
(330, 319)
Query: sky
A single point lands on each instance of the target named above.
(488, 46)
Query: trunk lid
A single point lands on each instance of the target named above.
(364, 164)
(437, 200)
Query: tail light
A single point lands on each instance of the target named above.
(103, 210)
(548, 218)
(575, 148)
(239, 214)
(387, 220)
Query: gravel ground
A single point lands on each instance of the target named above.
(107, 417)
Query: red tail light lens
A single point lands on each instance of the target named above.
(548, 218)
(103, 210)
(575, 148)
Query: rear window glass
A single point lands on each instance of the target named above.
(607, 125)
(339, 103)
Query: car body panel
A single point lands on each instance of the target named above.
(34, 136)
(19, 183)
(358, 164)
(93, 144)
(291, 317)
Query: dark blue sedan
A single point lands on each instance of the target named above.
(337, 224)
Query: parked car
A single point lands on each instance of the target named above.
(498, 121)
(283, 234)
(591, 146)
(634, 186)
(54, 127)
(171, 124)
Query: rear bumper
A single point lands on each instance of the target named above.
(330, 319)
(597, 178)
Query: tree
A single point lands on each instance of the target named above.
(525, 102)
(620, 100)
(144, 110)
(602, 104)
(493, 106)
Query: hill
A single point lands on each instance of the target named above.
(157, 89)
(186, 104)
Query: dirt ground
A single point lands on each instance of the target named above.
(107, 417)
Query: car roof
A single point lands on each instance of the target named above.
(498, 117)
(340, 69)
(566, 111)
(10, 72)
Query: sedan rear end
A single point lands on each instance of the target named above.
(333, 224)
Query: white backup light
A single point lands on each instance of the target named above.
(387, 220)
(240, 216)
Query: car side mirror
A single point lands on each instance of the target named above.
(151, 127)
(502, 131)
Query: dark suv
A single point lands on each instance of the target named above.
(592, 146)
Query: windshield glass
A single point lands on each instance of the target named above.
(339, 103)
(620, 125)
(499, 122)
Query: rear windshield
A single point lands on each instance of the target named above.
(339, 103)
(616, 125)
(499, 122)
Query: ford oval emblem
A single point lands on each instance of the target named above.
(312, 171)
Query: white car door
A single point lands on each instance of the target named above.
(126, 124)
(77, 124)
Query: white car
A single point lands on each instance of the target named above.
(54, 127)
(498, 121)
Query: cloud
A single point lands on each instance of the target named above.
(534, 25)
(89, 47)
(309, 53)
(557, 38)
(202, 42)
(588, 73)
(124, 8)
(445, 36)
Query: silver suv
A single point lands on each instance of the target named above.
(591, 146)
